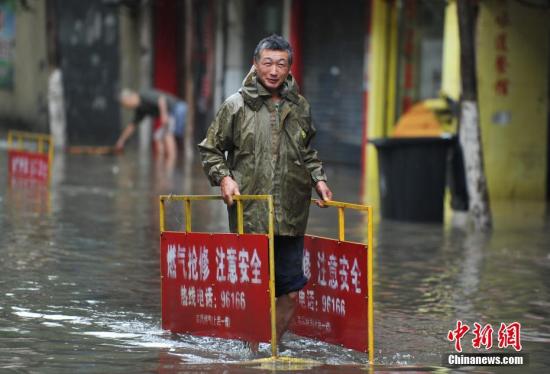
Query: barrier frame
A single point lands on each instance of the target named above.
(341, 207)
(20, 136)
(187, 199)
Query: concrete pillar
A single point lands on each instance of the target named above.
(234, 71)
(221, 47)
(145, 67)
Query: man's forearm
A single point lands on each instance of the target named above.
(213, 163)
(163, 109)
(126, 133)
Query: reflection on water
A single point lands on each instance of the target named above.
(80, 287)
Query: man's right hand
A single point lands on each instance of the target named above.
(229, 188)
(119, 147)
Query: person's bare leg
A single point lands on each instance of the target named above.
(253, 346)
(171, 148)
(286, 306)
(159, 148)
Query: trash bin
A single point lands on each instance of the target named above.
(412, 177)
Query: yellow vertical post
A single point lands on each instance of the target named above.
(19, 142)
(50, 158)
(187, 205)
(161, 225)
(161, 214)
(378, 67)
(10, 139)
(377, 73)
(341, 224)
(272, 278)
(370, 304)
(240, 228)
(450, 66)
(391, 98)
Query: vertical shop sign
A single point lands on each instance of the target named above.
(502, 19)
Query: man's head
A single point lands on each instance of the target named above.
(129, 99)
(272, 60)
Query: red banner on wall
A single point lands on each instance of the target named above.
(333, 305)
(216, 285)
(28, 165)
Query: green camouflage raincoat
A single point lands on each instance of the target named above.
(268, 152)
(242, 128)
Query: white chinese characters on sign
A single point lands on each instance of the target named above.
(319, 325)
(344, 267)
(213, 320)
(192, 264)
(355, 274)
(197, 296)
(333, 271)
(243, 266)
(228, 270)
(336, 276)
(171, 261)
(203, 263)
(329, 304)
(29, 167)
(307, 264)
(231, 266)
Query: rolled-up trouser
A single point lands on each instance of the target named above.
(289, 273)
(162, 131)
(179, 113)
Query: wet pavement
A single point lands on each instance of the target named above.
(80, 286)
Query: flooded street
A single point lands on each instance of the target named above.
(80, 278)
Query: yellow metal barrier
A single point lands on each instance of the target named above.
(40, 139)
(341, 206)
(187, 199)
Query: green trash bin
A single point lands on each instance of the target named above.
(412, 177)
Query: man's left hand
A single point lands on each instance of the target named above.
(324, 193)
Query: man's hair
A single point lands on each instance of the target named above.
(274, 42)
(126, 93)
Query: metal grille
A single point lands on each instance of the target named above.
(333, 53)
(88, 44)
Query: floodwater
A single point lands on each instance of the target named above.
(80, 286)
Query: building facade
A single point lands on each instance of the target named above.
(361, 63)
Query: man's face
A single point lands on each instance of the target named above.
(272, 68)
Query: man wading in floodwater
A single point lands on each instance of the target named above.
(266, 130)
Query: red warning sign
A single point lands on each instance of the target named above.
(333, 306)
(28, 165)
(216, 285)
